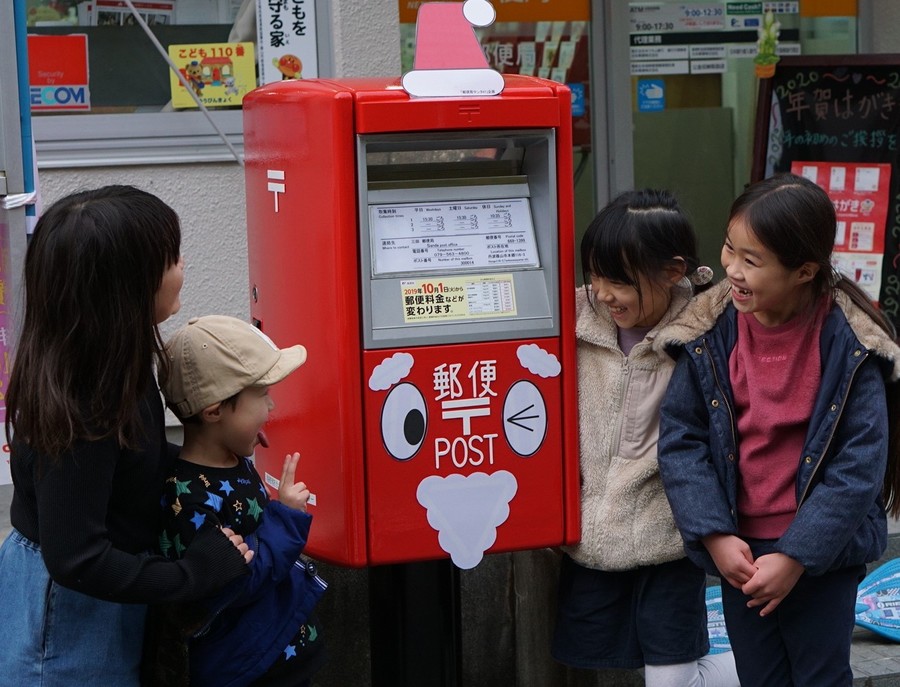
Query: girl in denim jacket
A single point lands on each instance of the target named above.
(628, 597)
(774, 437)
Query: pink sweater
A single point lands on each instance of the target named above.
(775, 375)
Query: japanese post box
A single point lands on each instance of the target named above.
(421, 249)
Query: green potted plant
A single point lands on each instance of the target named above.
(766, 44)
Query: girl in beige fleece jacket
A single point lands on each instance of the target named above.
(628, 597)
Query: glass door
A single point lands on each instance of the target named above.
(693, 72)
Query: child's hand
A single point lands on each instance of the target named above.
(732, 557)
(775, 577)
(292, 495)
(239, 544)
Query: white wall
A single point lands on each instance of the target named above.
(366, 38)
(209, 199)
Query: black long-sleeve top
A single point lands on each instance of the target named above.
(95, 511)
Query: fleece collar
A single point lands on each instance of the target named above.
(701, 314)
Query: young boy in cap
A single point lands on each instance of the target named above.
(260, 631)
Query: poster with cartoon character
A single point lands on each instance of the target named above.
(286, 38)
(463, 450)
(219, 74)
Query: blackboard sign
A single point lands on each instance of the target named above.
(838, 108)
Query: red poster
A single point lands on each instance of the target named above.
(860, 193)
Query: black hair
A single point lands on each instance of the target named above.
(89, 335)
(639, 233)
(794, 218)
(195, 419)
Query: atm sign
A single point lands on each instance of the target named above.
(58, 73)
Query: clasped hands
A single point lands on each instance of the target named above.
(767, 580)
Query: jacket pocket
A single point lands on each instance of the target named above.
(640, 412)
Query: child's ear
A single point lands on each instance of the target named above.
(807, 272)
(676, 271)
(212, 413)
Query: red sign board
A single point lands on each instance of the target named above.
(860, 193)
(58, 73)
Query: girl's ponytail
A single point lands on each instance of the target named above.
(891, 489)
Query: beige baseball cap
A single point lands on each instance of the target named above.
(214, 357)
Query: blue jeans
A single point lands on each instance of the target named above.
(805, 642)
(56, 637)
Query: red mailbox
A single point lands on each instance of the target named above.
(422, 251)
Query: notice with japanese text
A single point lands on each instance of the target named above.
(457, 298)
(408, 237)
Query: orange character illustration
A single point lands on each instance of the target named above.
(193, 72)
(290, 67)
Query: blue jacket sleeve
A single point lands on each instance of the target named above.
(278, 542)
(845, 498)
(692, 480)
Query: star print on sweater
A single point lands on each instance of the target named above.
(198, 496)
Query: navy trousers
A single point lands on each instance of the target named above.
(805, 642)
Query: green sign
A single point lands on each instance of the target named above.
(743, 8)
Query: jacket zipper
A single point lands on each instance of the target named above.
(623, 392)
(712, 365)
(831, 434)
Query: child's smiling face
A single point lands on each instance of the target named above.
(760, 283)
(627, 306)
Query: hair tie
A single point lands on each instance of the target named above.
(700, 276)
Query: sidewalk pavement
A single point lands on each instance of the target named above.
(875, 660)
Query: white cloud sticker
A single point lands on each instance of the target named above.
(390, 371)
(466, 511)
(538, 361)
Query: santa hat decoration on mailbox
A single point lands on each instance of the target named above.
(449, 60)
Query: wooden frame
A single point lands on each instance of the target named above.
(818, 62)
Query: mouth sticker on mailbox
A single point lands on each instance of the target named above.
(466, 511)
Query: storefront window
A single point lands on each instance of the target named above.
(103, 90)
(125, 73)
(695, 73)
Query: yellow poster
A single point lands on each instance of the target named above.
(457, 298)
(220, 74)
